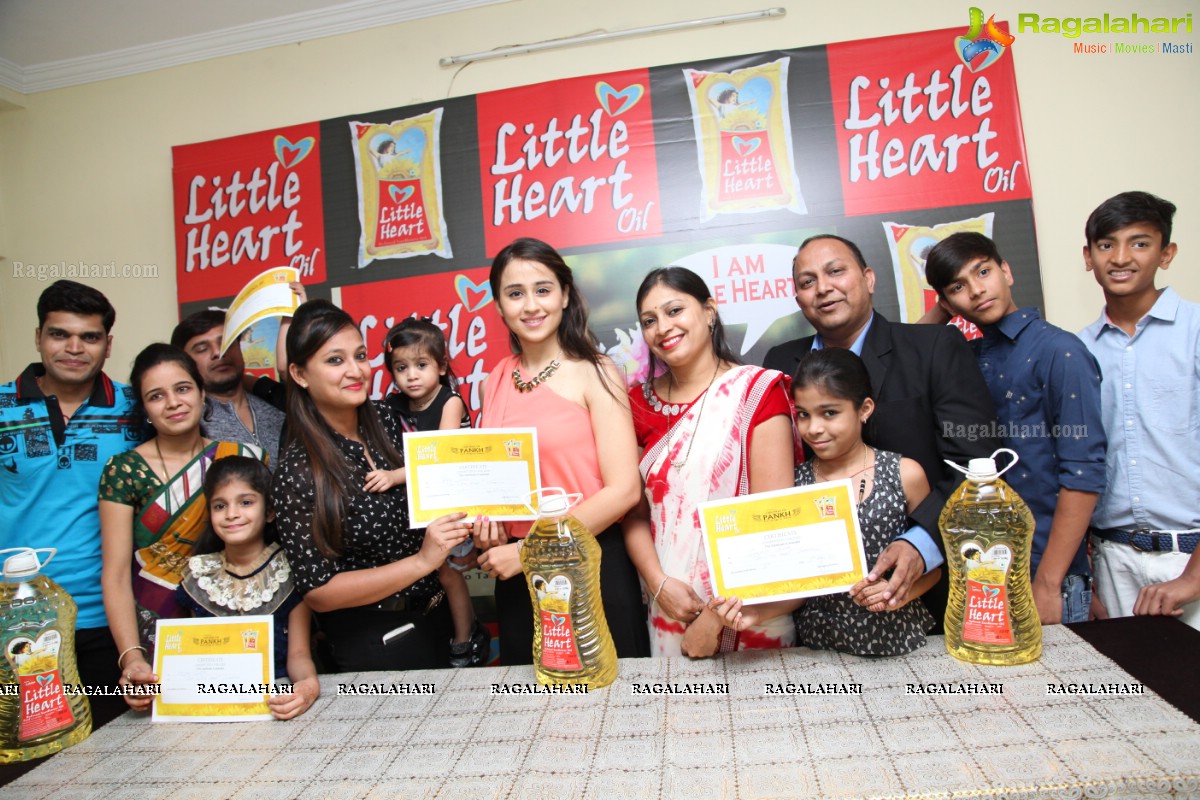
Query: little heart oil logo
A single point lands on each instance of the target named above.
(290, 154)
(400, 195)
(617, 103)
(474, 296)
(983, 44)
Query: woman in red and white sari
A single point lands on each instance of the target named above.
(709, 428)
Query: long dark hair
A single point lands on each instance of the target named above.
(840, 373)
(682, 279)
(573, 334)
(254, 474)
(423, 334)
(314, 324)
(152, 356)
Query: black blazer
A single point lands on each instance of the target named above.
(930, 398)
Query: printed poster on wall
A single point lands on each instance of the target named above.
(245, 205)
(744, 139)
(400, 188)
(723, 165)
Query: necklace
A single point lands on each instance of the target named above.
(167, 472)
(862, 482)
(253, 429)
(538, 379)
(191, 454)
(704, 397)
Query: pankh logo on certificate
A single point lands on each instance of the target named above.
(779, 545)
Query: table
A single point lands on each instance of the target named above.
(465, 741)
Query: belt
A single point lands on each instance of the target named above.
(1148, 541)
(417, 605)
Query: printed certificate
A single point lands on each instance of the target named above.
(789, 543)
(214, 669)
(266, 295)
(485, 472)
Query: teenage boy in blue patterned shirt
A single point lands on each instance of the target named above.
(1046, 388)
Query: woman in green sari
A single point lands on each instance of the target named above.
(152, 507)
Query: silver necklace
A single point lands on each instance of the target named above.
(703, 398)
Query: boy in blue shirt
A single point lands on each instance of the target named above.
(1147, 340)
(1046, 388)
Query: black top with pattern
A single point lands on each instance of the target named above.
(430, 418)
(375, 530)
(834, 621)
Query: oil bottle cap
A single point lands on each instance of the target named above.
(553, 501)
(25, 564)
(982, 470)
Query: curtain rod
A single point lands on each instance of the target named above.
(587, 38)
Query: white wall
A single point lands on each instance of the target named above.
(85, 172)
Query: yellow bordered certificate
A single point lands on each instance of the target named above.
(266, 295)
(214, 669)
(790, 543)
(484, 472)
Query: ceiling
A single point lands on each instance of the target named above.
(48, 44)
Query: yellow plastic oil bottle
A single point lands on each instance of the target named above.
(991, 617)
(37, 633)
(561, 560)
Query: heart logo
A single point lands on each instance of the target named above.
(558, 619)
(45, 679)
(977, 55)
(617, 103)
(474, 296)
(290, 154)
(399, 195)
(745, 147)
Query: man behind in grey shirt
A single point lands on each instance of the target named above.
(231, 414)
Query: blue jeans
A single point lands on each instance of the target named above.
(1077, 598)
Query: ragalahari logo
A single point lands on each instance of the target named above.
(983, 44)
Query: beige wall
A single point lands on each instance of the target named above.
(85, 172)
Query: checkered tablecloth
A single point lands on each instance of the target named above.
(465, 741)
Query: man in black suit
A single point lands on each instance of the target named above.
(931, 402)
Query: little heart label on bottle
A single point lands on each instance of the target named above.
(987, 614)
(44, 707)
(559, 648)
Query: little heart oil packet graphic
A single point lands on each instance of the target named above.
(744, 139)
(398, 165)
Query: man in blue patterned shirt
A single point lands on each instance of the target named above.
(1046, 388)
(60, 421)
(1147, 340)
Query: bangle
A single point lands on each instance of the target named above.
(660, 588)
(126, 652)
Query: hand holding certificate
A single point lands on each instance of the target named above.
(786, 544)
(489, 472)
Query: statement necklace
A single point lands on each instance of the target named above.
(667, 411)
(538, 379)
(862, 482)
